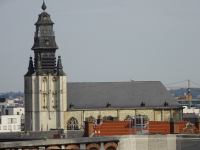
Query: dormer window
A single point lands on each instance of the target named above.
(45, 18)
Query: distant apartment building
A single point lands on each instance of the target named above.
(10, 123)
(192, 110)
(13, 118)
(6, 103)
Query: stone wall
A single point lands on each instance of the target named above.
(125, 142)
(46, 100)
(153, 115)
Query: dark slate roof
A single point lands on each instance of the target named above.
(88, 95)
(39, 134)
(75, 133)
(43, 20)
(31, 134)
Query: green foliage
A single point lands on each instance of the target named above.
(12, 94)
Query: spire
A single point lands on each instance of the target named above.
(44, 38)
(60, 67)
(44, 6)
(30, 67)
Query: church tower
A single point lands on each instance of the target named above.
(45, 82)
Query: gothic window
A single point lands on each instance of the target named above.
(45, 101)
(54, 102)
(72, 124)
(54, 84)
(44, 81)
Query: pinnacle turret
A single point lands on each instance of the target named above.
(60, 67)
(30, 67)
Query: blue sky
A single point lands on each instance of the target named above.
(105, 40)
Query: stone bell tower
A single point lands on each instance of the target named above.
(45, 82)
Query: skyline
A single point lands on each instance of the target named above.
(105, 41)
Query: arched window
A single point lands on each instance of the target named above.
(72, 124)
(44, 82)
(110, 146)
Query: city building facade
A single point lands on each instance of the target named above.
(10, 123)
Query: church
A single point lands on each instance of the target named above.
(52, 103)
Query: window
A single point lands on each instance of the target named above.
(5, 127)
(17, 113)
(182, 102)
(14, 127)
(6, 112)
(9, 120)
(0, 121)
(22, 121)
(0, 127)
(12, 120)
(20, 110)
(19, 127)
(72, 124)
(9, 127)
(195, 102)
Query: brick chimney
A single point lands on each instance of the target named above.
(174, 125)
(89, 127)
(99, 120)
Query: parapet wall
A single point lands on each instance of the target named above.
(159, 142)
(124, 142)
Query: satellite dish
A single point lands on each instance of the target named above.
(132, 80)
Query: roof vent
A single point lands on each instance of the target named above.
(143, 104)
(166, 104)
(109, 105)
(71, 106)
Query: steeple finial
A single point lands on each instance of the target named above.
(44, 6)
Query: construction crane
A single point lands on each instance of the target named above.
(188, 94)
